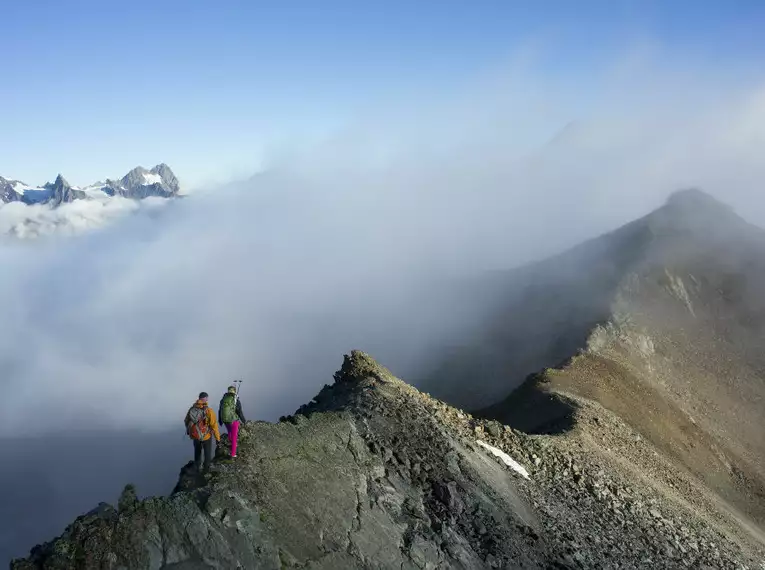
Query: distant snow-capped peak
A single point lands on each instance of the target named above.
(137, 184)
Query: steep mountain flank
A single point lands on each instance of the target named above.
(374, 474)
(535, 316)
(661, 322)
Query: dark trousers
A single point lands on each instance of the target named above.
(199, 447)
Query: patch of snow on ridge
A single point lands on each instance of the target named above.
(20, 187)
(149, 179)
(506, 459)
(96, 191)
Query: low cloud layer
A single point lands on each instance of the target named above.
(355, 243)
(21, 221)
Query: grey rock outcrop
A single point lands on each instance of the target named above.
(374, 474)
(168, 177)
(140, 183)
(8, 192)
(61, 192)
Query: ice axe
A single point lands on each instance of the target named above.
(237, 385)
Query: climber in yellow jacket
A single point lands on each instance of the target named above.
(201, 426)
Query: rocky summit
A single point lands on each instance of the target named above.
(373, 473)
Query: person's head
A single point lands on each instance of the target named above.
(232, 389)
(203, 396)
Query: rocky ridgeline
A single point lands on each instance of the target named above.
(596, 490)
(374, 474)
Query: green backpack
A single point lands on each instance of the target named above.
(228, 409)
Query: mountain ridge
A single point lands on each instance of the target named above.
(660, 321)
(138, 184)
(560, 300)
(373, 473)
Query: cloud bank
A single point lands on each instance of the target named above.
(20, 221)
(356, 242)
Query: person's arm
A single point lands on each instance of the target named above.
(239, 411)
(220, 411)
(214, 424)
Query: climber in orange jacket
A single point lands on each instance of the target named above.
(201, 426)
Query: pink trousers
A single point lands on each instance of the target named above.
(233, 434)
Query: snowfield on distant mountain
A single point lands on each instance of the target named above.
(58, 207)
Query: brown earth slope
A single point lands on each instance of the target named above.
(661, 322)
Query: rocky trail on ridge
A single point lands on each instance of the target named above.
(375, 474)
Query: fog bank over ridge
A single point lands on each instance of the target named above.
(354, 242)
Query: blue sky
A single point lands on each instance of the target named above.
(91, 89)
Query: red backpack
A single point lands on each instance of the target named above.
(196, 422)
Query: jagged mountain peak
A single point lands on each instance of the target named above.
(60, 182)
(140, 182)
(138, 170)
(353, 385)
(167, 175)
(162, 169)
(136, 177)
(357, 366)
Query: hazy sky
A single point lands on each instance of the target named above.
(92, 88)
